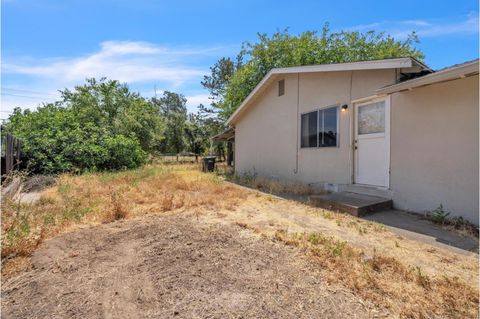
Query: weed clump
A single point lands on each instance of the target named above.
(441, 216)
(118, 209)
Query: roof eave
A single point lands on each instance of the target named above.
(349, 66)
(436, 77)
(239, 110)
(396, 63)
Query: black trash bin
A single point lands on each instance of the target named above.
(209, 163)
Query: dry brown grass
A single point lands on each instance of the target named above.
(106, 197)
(119, 209)
(272, 186)
(385, 280)
(16, 266)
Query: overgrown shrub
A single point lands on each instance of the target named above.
(123, 153)
(99, 126)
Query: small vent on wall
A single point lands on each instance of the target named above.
(281, 87)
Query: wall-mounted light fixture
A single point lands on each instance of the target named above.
(344, 107)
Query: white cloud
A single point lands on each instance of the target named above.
(126, 61)
(112, 48)
(467, 26)
(421, 23)
(193, 101)
(142, 65)
(424, 28)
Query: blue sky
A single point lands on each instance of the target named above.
(49, 45)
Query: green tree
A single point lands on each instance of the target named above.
(142, 119)
(173, 108)
(284, 50)
(216, 83)
(196, 134)
(108, 103)
(99, 125)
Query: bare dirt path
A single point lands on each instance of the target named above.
(173, 266)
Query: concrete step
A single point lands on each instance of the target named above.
(367, 190)
(351, 203)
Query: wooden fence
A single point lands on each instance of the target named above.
(11, 153)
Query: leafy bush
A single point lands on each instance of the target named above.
(123, 153)
(99, 126)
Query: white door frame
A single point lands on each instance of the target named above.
(364, 101)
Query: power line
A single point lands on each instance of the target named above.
(27, 91)
(27, 96)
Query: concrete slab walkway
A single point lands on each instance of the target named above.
(408, 225)
(414, 227)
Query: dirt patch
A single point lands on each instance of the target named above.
(441, 283)
(271, 215)
(173, 266)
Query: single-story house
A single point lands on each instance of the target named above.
(392, 127)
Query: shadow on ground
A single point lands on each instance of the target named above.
(405, 224)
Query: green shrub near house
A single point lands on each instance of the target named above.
(99, 126)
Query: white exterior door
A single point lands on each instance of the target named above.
(372, 142)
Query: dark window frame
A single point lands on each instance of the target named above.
(321, 126)
(281, 87)
(306, 140)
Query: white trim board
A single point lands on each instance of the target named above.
(398, 63)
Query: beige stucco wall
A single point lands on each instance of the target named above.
(435, 147)
(266, 134)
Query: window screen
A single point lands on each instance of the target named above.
(309, 129)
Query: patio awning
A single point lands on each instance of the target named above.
(226, 136)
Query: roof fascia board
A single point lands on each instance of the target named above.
(440, 76)
(335, 67)
(351, 66)
(421, 64)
